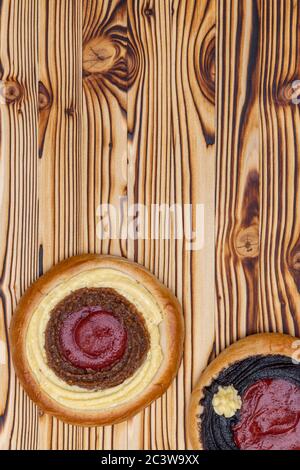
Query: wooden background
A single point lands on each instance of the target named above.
(153, 101)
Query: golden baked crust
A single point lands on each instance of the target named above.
(171, 333)
(260, 344)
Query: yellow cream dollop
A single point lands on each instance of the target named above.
(226, 402)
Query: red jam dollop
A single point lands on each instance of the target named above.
(92, 338)
(269, 417)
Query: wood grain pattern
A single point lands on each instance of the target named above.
(140, 102)
(19, 202)
(104, 137)
(257, 168)
(60, 158)
(171, 161)
(280, 160)
(238, 174)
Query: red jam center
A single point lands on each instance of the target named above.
(270, 417)
(92, 338)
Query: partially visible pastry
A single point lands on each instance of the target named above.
(96, 339)
(248, 398)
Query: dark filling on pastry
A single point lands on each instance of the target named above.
(220, 433)
(96, 339)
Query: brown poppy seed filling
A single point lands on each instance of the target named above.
(96, 339)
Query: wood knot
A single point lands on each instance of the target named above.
(296, 92)
(113, 58)
(10, 92)
(44, 97)
(100, 55)
(294, 265)
(247, 242)
(288, 94)
(149, 12)
(295, 261)
(133, 64)
(207, 71)
(70, 111)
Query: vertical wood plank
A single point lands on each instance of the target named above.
(257, 168)
(171, 161)
(238, 173)
(105, 108)
(280, 166)
(104, 145)
(18, 201)
(141, 103)
(193, 138)
(60, 158)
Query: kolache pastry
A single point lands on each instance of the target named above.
(96, 339)
(248, 398)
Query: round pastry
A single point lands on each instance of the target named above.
(96, 339)
(248, 398)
